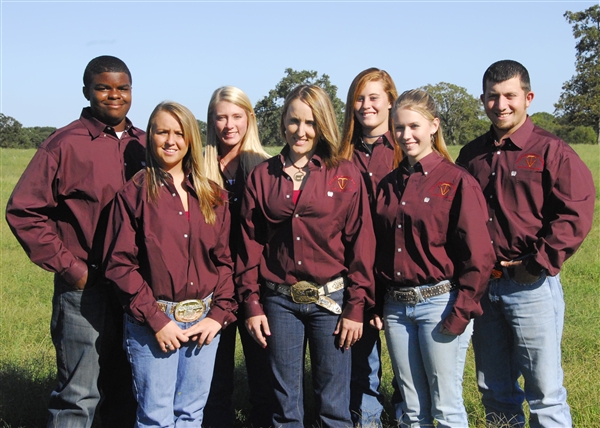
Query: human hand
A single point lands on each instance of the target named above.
(376, 322)
(258, 327)
(170, 337)
(203, 331)
(80, 284)
(349, 332)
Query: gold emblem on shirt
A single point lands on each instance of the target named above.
(445, 188)
(342, 181)
(530, 160)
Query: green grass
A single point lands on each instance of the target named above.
(27, 365)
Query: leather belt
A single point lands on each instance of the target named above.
(310, 292)
(414, 295)
(187, 310)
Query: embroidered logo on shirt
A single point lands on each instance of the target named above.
(530, 161)
(342, 183)
(443, 190)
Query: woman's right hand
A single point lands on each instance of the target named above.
(170, 337)
(258, 327)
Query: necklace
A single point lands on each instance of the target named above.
(299, 176)
(227, 173)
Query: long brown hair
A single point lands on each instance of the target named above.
(352, 128)
(208, 192)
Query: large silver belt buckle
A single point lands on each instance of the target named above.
(407, 296)
(304, 292)
(189, 310)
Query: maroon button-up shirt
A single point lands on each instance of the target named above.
(374, 161)
(430, 227)
(155, 253)
(539, 193)
(58, 208)
(327, 233)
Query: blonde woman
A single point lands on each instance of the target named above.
(305, 269)
(169, 256)
(233, 149)
(433, 260)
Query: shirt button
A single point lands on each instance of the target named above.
(296, 215)
(492, 242)
(397, 273)
(491, 219)
(297, 238)
(287, 196)
(498, 152)
(235, 199)
(491, 196)
(180, 212)
(192, 283)
(399, 226)
(185, 235)
(493, 173)
(399, 250)
(125, 163)
(288, 178)
(370, 174)
(299, 262)
(425, 173)
(367, 155)
(403, 203)
(174, 194)
(162, 184)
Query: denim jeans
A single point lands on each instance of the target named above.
(520, 333)
(292, 324)
(218, 412)
(171, 387)
(86, 329)
(428, 365)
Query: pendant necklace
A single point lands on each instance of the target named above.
(299, 176)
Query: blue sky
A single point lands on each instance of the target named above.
(183, 51)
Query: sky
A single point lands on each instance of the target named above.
(183, 50)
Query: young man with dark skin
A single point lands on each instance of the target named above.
(58, 212)
(540, 199)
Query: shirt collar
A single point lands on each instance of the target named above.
(520, 137)
(424, 166)
(385, 139)
(95, 127)
(316, 158)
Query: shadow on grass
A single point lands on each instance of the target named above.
(23, 397)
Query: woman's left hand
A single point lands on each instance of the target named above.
(350, 332)
(204, 331)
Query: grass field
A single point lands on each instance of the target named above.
(27, 365)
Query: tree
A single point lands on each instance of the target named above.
(268, 109)
(202, 127)
(579, 103)
(37, 134)
(11, 133)
(461, 114)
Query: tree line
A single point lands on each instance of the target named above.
(576, 118)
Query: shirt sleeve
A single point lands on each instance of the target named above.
(29, 214)
(359, 243)
(122, 265)
(569, 209)
(223, 302)
(250, 252)
(472, 251)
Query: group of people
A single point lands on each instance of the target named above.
(163, 248)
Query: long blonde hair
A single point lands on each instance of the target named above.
(251, 151)
(208, 192)
(421, 102)
(325, 123)
(352, 128)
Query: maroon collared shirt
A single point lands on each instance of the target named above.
(430, 227)
(155, 253)
(58, 208)
(326, 234)
(374, 161)
(540, 195)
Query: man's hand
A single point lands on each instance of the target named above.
(170, 337)
(258, 327)
(349, 331)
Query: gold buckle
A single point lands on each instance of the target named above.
(304, 292)
(189, 310)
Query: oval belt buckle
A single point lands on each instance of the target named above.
(189, 310)
(304, 292)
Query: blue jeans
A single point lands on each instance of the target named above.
(366, 402)
(520, 333)
(292, 324)
(428, 365)
(171, 387)
(86, 329)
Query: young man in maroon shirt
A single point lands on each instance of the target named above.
(540, 198)
(58, 212)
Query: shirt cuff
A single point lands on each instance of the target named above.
(252, 308)
(354, 313)
(75, 272)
